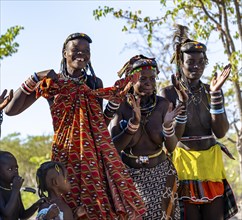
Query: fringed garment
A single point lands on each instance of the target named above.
(99, 180)
(158, 189)
(202, 178)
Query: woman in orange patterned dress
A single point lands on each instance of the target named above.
(101, 187)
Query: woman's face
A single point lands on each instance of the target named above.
(77, 54)
(146, 84)
(193, 65)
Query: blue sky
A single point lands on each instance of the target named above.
(46, 26)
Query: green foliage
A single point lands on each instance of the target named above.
(232, 167)
(7, 44)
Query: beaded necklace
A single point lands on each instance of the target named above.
(78, 80)
(7, 189)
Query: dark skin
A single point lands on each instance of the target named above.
(201, 123)
(57, 185)
(149, 131)
(4, 100)
(77, 55)
(11, 206)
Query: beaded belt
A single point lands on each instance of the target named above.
(143, 159)
(196, 138)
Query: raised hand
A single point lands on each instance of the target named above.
(171, 114)
(17, 182)
(182, 94)
(218, 81)
(4, 100)
(135, 103)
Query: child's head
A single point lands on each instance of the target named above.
(52, 176)
(8, 168)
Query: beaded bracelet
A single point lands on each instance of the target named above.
(132, 127)
(168, 132)
(35, 77)
(181, 119)
(217, 111)
(28, 86)
(109, 118)
(216, 102)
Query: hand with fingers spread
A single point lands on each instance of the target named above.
(218, 81)
(135, 103)
(181, 92)
(4, 100)
(171, 114)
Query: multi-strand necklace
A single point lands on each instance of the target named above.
(78, 80)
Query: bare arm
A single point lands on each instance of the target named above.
(22, 100)
(10, 208)
(220, 124)
(122, 138)
(171, 96)
(168, 130)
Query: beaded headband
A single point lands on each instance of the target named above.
(193, 46)
(135, 63)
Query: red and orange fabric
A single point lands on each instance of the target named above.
(99, 180)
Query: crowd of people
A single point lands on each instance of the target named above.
(145, 156)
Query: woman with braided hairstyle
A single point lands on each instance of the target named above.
(140, 130)
(101, 187)
(204, 193)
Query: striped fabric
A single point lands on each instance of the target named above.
(99, 180)
(202, 178)
(158, 188)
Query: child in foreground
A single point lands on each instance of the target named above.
(11, 206)
(52, 179)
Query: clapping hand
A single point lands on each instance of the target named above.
(135, 103)
(218, 81)
(171, 114)
(4, 100)
(181, 92)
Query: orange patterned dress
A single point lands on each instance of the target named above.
(99, 180)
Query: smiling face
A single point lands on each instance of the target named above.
(146, 83)
(193, 65)
(8, 169)
(77, 54)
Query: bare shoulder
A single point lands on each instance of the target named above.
(99, 82)
(162, 103)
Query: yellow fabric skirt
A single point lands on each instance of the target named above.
(205, 165)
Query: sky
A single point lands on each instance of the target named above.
(46, 26)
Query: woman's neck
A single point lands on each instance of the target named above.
(74, 73)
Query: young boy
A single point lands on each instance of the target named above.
(11, 206)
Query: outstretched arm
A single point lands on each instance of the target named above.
(25, 96)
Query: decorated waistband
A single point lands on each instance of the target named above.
(143, 159)
(196, 138)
